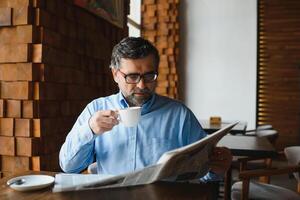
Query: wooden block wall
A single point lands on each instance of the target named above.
(54, 59)
(160, 25)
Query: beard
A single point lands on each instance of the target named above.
(139, 96)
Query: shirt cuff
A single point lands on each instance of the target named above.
(211, 176)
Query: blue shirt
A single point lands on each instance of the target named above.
(165, 124)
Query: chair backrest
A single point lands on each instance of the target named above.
(260, 127)
(293, 157)
(271, 134)
(264, 127)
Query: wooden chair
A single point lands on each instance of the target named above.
(259, 128)
(272, 136)
(293, 156)
(246, 189)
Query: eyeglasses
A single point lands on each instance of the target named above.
(135, 77)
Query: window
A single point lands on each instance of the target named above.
(134, 19)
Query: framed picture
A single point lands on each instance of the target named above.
(111, 10)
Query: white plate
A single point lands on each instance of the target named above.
(32, 182)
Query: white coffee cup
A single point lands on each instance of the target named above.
(130, 117)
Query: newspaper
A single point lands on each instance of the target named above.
(185, 163)
(64, 181)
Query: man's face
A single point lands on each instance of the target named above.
(137, 93)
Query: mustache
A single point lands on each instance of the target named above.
(145, 90)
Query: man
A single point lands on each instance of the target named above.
(165, 124)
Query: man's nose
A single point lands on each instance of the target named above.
(141, 84)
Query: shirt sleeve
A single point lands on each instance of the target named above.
(77, 152)
(192, 128)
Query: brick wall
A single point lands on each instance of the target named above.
(160, 25)
(54, 59)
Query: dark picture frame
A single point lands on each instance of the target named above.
(110, 10)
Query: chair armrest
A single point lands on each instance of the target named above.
(244, 162)
(247, 174)
(250, 133)
(246, 159)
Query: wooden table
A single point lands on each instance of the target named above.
(240, 128)
(250, 146)
(156, 191)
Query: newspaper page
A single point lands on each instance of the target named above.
(191, 161)
(66, 182)
(185, 163)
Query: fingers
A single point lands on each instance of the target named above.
(221, 153)
(108, 113)
(220, 160)
(103, 121)
(107, 120)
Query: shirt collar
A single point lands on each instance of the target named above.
(145, 107)
(122, 101)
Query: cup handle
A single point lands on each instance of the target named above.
(119, 118)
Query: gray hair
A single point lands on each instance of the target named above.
(133, 48)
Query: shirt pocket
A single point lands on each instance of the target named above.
(157, 147)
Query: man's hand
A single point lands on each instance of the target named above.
(220, 160)
(103, 121)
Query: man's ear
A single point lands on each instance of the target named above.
(114, 73)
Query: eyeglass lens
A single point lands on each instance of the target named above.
(135, 78)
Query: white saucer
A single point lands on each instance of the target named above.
(32, 182)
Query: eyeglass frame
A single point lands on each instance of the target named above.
(140, 76)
